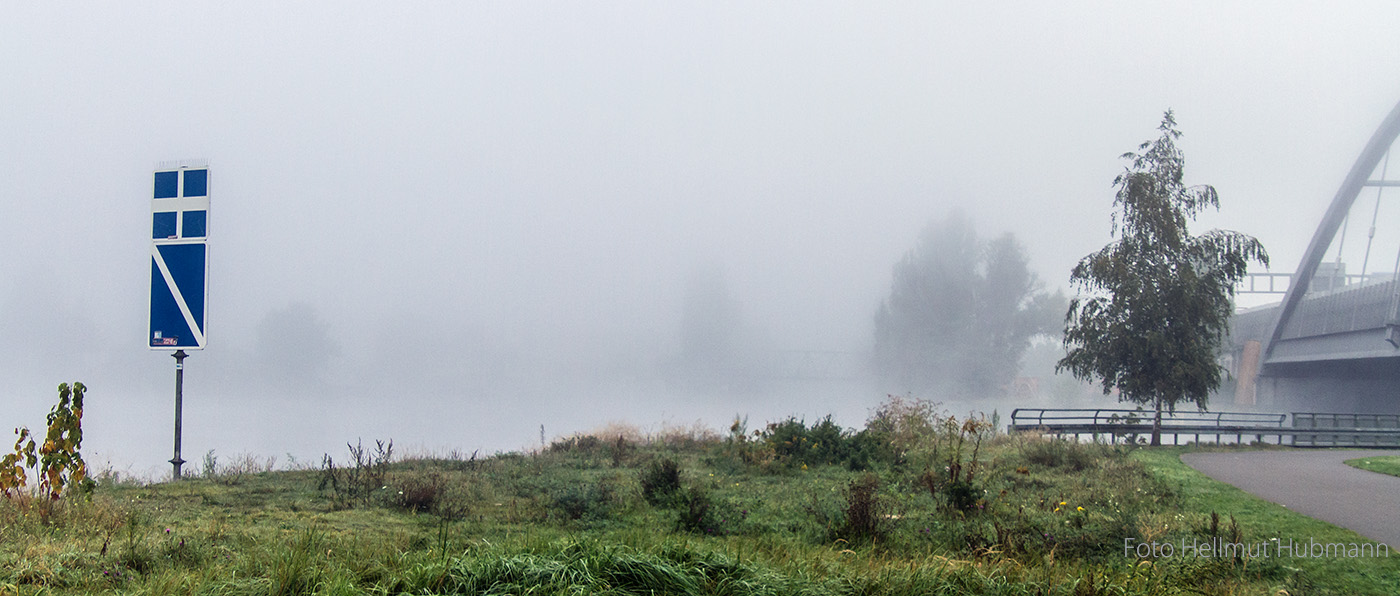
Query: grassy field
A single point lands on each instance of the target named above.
(912, 504)
(1386, 464)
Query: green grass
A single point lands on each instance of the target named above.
(1385, 464)
(1047, 517)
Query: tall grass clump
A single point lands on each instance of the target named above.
(295, 567)
(1061, 452)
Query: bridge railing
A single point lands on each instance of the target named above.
(1030, 418)
(1278, 283)
(1130, 423)
(1346, 430)
(1309, 429)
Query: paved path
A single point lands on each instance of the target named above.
(1314, 482)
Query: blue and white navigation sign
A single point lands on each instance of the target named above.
(179, 256)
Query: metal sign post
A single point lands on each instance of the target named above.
(180, 356)
(179, 270)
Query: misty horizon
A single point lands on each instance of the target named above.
(448, 225)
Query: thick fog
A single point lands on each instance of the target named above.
(452, 223)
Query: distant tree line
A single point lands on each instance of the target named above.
(961, 313)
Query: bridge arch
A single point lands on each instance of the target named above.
(1357, 179)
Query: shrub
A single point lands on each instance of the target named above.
(867, 518)
(958, 495)
(661, 481)
(211, 465)
(825, 442)
(578, 443)
(788, 439)
(790, 443)
(695, 515)
(420, 493)
(699, 512)
(867, 449)
(359, 481)
(58, 462)
(956, 483)
(573, 501)
(829, 442)
(740, 448)
(908, 426)
(621, 448)
(595, 501)
(12, 476)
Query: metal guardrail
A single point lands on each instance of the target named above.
(1324, 420)
(1346, 430)
(1116, 423)
(1309, 429)
(1035, 417)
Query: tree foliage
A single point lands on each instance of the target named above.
(961, 313)
(12, 465)
(58, 463)
(1157, 301)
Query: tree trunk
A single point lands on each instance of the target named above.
(1157, 422)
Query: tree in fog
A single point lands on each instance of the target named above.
(717, 348)
(1158, 300)
(961, 313)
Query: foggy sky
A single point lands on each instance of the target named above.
(452, 222)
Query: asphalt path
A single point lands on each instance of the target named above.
(1315, 483)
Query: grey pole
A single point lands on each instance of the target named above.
(179, 356)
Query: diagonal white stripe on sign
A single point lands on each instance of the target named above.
(179, 298)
